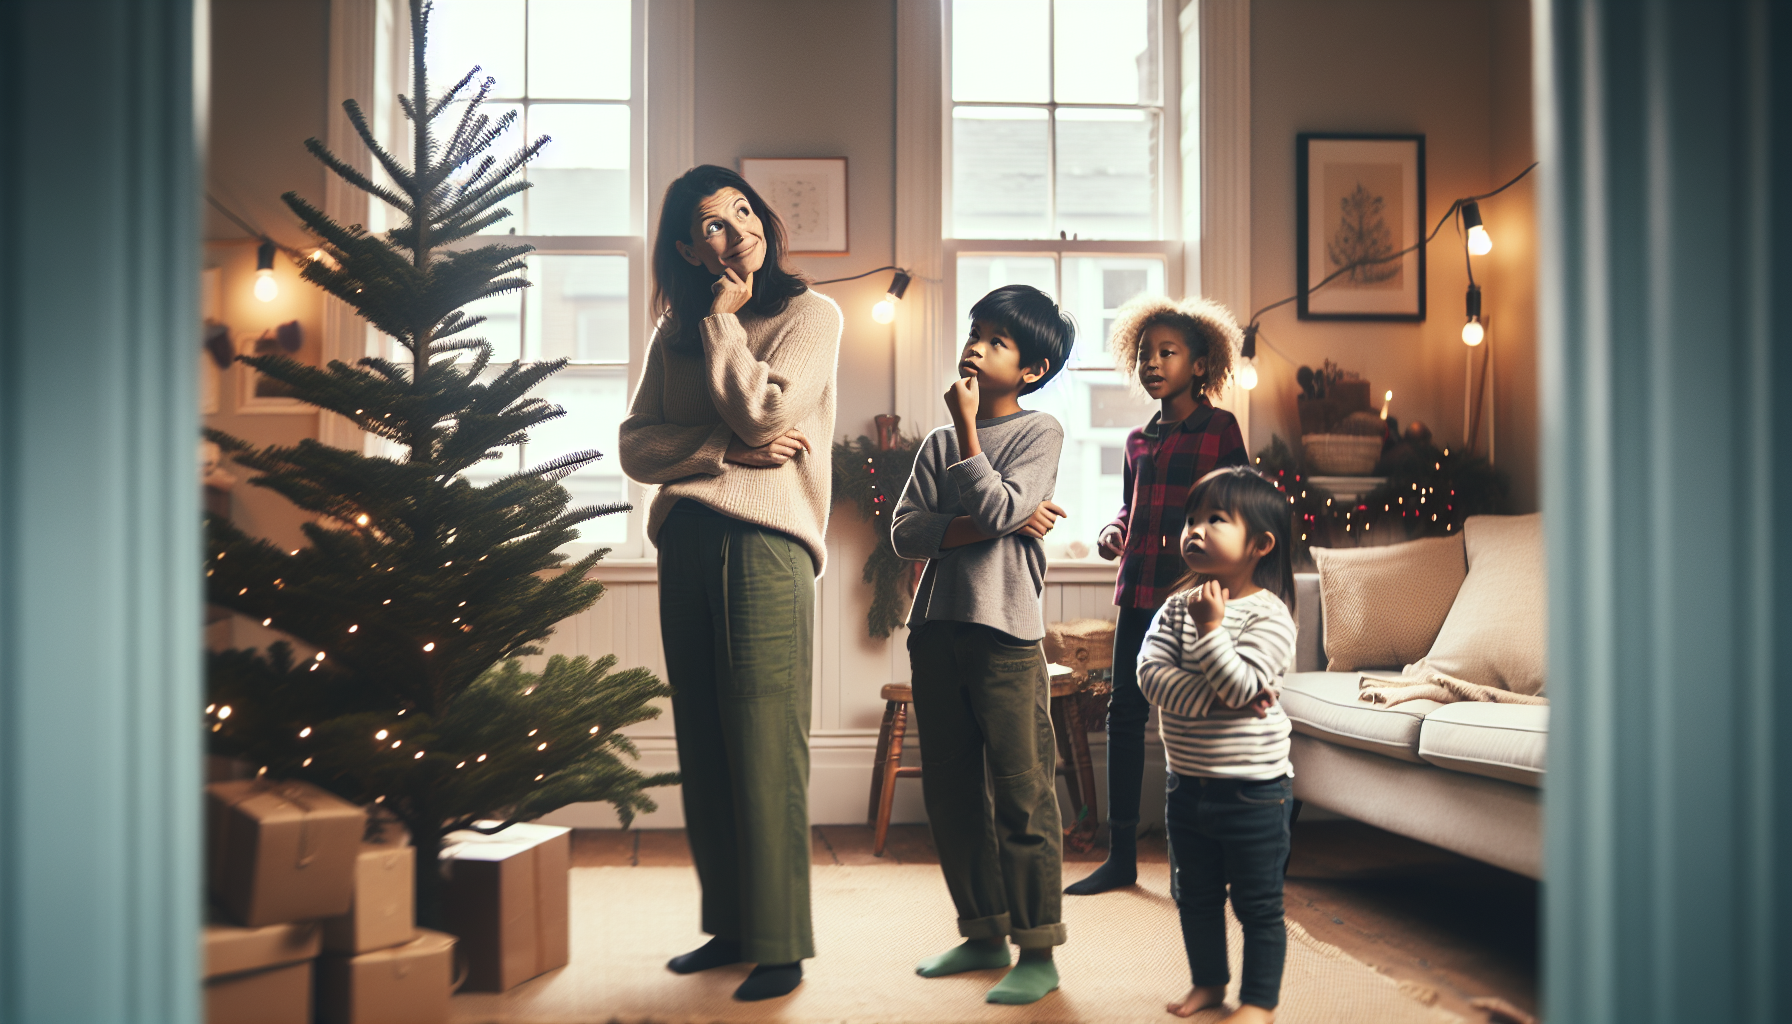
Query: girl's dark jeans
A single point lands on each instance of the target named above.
(1127, 714)
(1231, 832)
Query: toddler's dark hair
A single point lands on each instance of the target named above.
(1248, 494)
(1039, 328)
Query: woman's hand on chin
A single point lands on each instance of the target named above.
(770, 456)
(732, 292)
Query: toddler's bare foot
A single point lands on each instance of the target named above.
(1201, 997)
(1248, 1014)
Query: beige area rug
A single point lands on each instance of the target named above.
(1123, 962)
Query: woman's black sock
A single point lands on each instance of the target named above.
(714, 953)
(769, 981)
(1120, 870)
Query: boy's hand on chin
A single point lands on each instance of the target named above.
(1208, 606)
(962, 399)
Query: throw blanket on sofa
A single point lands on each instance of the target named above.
(1434, 685)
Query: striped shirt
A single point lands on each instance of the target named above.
(1203, 685)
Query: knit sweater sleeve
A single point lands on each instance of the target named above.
(918, 527)
(999, 501)
(761, 398)
(1162, 678)
(653, 451)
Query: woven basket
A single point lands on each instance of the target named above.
(1341, 454)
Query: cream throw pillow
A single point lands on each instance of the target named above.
(1383, 606)
(1495, 633)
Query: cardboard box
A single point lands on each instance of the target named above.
(280, 852)
(505, 895)
(408, 984)
(384, 910)
(279, 995)
(260, 975)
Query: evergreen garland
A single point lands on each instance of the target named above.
(418, 588)
(872, 479)
(1428, 493)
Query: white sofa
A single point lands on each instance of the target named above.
(1463, 776)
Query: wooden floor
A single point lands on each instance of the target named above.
(1456, 926)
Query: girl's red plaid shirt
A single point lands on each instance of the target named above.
(1161, 465)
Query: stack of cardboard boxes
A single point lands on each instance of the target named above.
(303, 906)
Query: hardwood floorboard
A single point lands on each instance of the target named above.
(603, 847)
(851, 844)
(662, 848)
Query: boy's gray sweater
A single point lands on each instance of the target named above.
(993, 582)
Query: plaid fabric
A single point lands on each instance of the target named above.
(1160, 468)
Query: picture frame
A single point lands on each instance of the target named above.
(1359, 196)
(809, 196)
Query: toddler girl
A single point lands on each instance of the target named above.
(1212, 663)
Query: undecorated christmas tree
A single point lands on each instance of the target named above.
(418, 590)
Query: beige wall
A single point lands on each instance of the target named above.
(815, 78)
(269, 75)
(1457, 71)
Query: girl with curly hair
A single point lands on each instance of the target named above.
(1180, 354)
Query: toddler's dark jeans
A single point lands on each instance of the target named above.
(1231, 832)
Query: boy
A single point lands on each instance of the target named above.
(976, 507)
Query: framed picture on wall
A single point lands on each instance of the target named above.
(809, 197)
(1360, 207)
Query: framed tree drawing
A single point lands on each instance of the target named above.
(1361, 205)
(810, 197)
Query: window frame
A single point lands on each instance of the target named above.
(633, 246)
(1169, 245)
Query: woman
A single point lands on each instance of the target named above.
(739, 377)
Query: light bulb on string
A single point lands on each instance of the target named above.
(1480, 243)
(266, 288)
(1472, 331)
(1246, 373)
(885, 310)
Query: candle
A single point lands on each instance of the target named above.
(1385, 399)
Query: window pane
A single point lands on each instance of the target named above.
(1107, 173)
(999, 173)
(579, 49)
(578, 308)
(581, 177)
(463, 33)
(1095, 287)
(980, 275)
(1001, 51)
(1105, 52)
(595, 400)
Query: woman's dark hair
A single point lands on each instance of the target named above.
(681, 292)
(1039, 328)
(1247, 494)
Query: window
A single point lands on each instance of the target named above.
(1058, 177)
(572, 70)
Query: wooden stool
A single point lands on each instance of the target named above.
(888, 766)
(1074, 760)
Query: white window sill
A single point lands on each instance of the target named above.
(646, 570)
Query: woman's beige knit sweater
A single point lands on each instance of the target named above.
(756, 379)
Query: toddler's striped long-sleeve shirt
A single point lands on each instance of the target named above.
(1203, 686)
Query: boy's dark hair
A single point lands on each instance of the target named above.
(1041, 331)
(1248, 494)
(681, 292)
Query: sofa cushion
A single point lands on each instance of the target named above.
(1500, 741)
(1324, 705)
(1495, 631)
(1383, 606)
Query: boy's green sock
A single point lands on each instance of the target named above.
(971, 955)
(1028, 982)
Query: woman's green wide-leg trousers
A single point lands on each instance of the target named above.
(736, 617)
